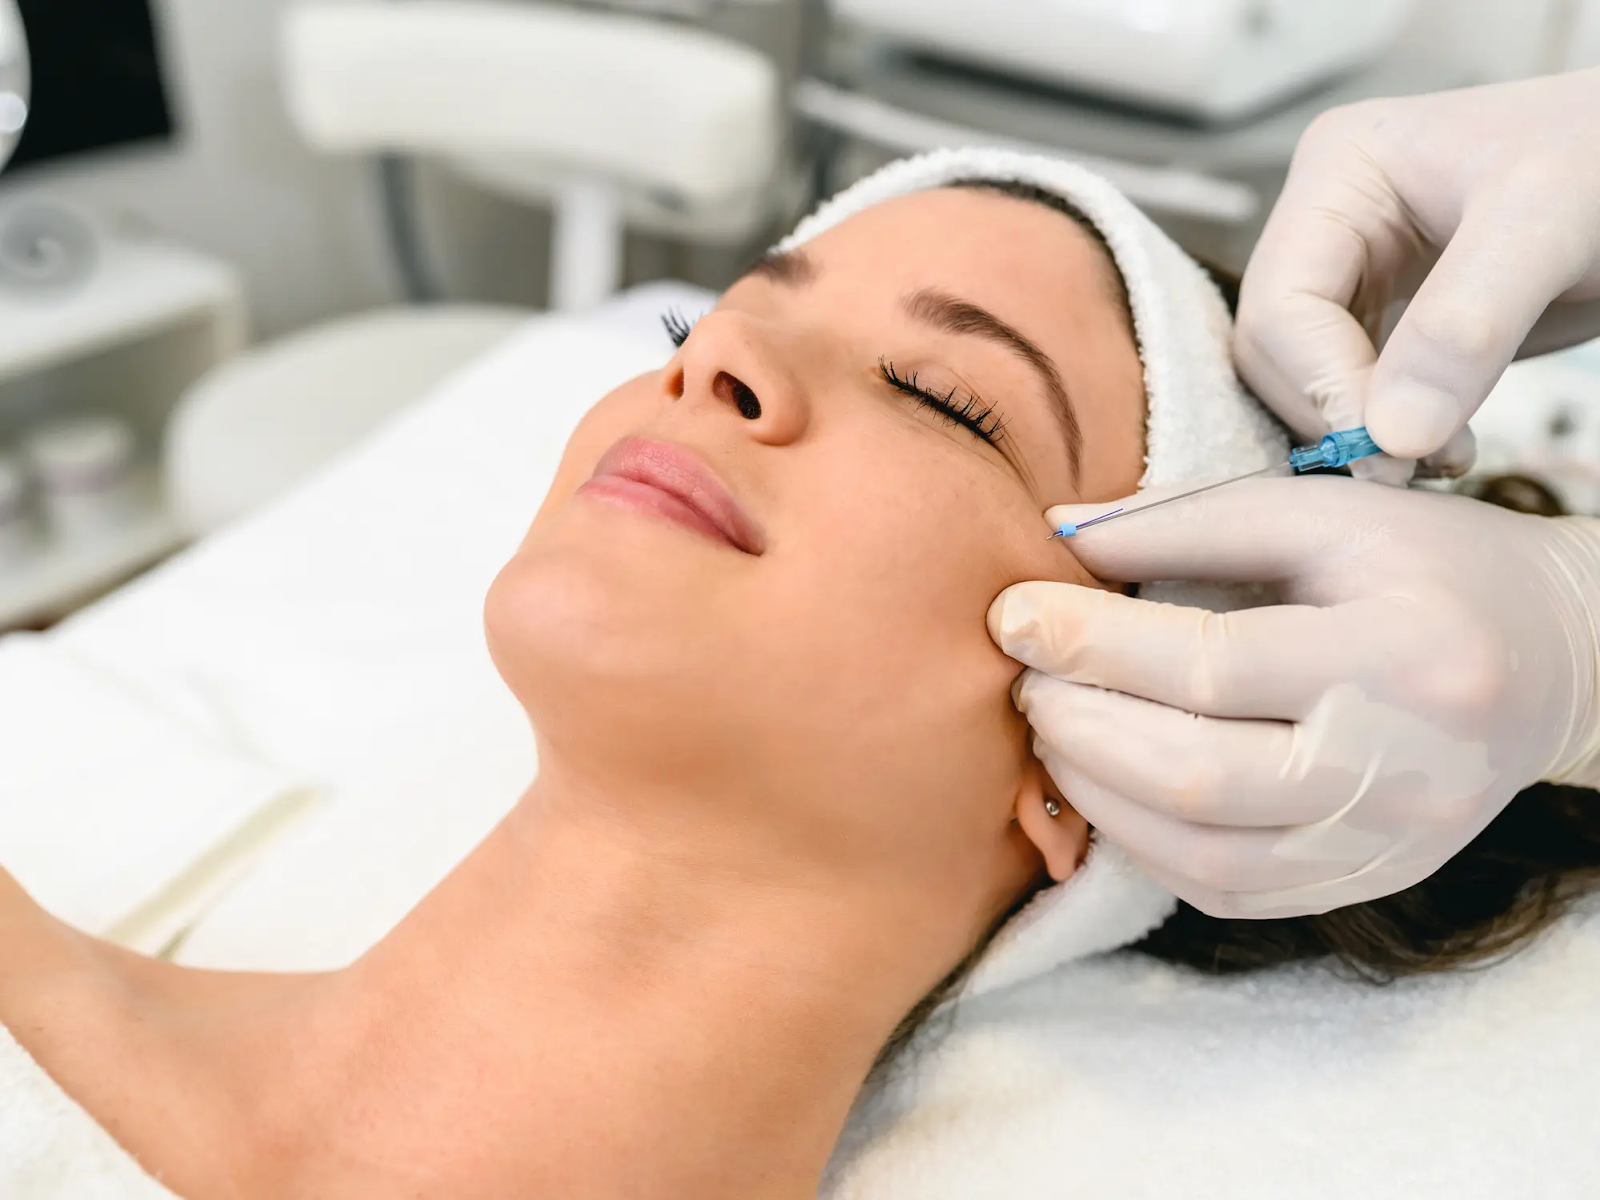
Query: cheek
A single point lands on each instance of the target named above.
(883, 582)
(904, 547)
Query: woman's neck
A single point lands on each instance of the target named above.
(585, 1010)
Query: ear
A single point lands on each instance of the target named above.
(1062, 839)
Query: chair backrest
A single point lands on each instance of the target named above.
(638, 102)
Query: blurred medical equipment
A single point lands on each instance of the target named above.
(16, 526)
(95, 319)
(1338, 449)
(45, 249)
(13, 79)
(874, 96)
(96, 75)
(1213, 59)
(100, 321)
(1543, 420)
(85, 469)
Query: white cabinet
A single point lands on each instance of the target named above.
(144, 321)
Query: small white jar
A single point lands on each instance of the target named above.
(84, 468)
(17, 539)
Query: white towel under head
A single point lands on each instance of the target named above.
(1201, 425)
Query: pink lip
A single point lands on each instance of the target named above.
(669, 481)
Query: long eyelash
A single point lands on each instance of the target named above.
(678, 326)
(965, 410)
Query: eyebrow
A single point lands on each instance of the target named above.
(954, 315)
(793, 268)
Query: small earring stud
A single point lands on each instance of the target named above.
(1052, 806)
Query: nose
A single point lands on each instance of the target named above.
(732, 364)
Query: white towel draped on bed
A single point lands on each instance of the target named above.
(1121, 1078)
(118, 814)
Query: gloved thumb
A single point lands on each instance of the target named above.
(1466, 323)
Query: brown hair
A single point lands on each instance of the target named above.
(1510, 883)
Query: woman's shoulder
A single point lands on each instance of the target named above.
(35, 948)
(25, 928)
(50, 1146)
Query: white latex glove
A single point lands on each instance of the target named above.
(1483, 203)
(1434, 656)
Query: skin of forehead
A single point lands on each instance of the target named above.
(1099, 364)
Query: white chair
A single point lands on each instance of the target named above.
(611, 120)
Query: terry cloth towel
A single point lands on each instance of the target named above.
(115, 814)
(1202, 425)
(1124, 1078)
(50, 1149)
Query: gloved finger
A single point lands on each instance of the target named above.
(1468, 320)
(1452, 462)
(1308, 359)
(1198, 862)
(1252, 664)
(1203, 770)
(1305, 900)
(1255, 530)
(1380, 468)
(1317, 284)
(1385, 873)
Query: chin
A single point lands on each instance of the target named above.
(610, 642)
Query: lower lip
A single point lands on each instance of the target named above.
(642, 497)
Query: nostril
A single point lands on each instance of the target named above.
(738, 393)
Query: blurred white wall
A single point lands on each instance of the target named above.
(303, 229)
(1584, 50)
(1509, 39)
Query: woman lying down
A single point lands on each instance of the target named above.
(784, 799)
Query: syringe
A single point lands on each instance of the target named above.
(1337, 449)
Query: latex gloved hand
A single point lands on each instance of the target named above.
(1484, 203)
(1436, 655)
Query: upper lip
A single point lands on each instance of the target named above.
(677, 471)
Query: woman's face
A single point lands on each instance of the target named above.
(797, 656)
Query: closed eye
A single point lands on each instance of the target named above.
(957, 407)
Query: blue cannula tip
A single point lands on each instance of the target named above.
(1065, 531)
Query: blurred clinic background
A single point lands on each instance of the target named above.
(235, 235)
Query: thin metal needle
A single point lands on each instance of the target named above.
(1128, 512)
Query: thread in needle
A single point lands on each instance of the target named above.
(1067, 531)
